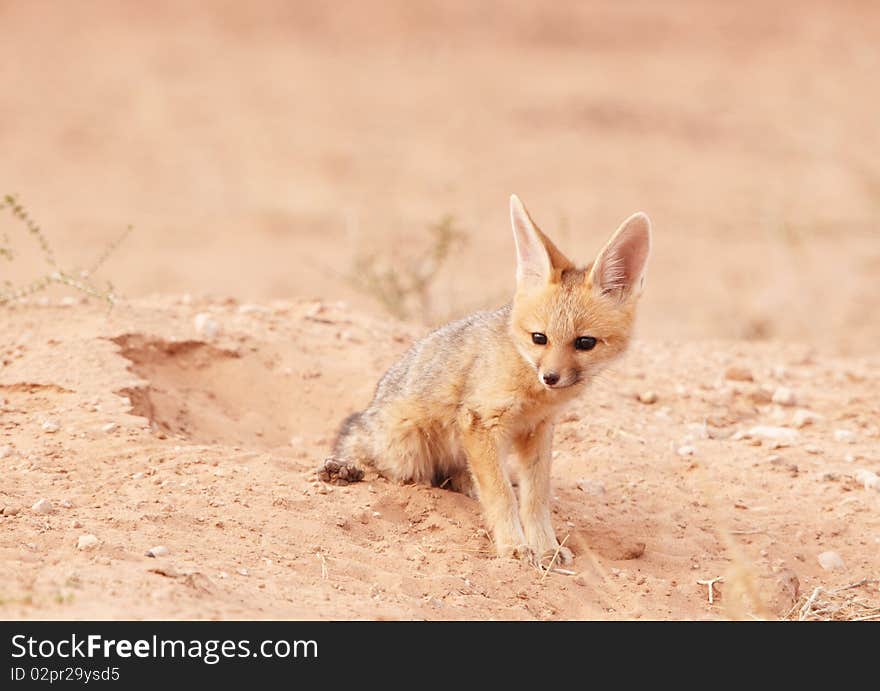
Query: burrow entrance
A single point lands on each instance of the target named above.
(212, 396)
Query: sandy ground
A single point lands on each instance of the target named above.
(209, 448)
(262, 151)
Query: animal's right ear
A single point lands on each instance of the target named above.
(533, 265)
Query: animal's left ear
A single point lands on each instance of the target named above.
(619, 270)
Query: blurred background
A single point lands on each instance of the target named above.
(365, 151)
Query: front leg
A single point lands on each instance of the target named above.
(533, 458)
(485, 451)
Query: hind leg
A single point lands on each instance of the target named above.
(339, 472)
(461, 481)
(351, 448)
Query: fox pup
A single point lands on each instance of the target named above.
(486, 390)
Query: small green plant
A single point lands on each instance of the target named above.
(403, 287)
(80, 280)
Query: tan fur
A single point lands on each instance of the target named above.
(468, 402)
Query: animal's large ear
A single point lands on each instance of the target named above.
(619, 270)
(538, 261)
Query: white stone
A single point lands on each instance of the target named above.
(831, 561)
(158, 551)
(109, 427)
(699, 429)
(591, 487)
(868, 478)
(779, 434)
(50, 426)
(253, 309)
(845, 435)
(6, 451)
(43, 506)
(804, 417)
(206, 326)
(784, 396)
(685, 451)
(86, 542)
(648, 397)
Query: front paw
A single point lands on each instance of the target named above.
(521, 552)
(556, 556)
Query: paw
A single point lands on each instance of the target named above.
(522, 552)
(563, 556)
(461, 482)
(338, 472)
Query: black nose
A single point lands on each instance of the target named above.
(550, 378)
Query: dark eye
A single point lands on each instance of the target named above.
(585, 343)
(539, 339)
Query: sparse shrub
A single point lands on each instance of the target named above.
(80, 280)
(403, 286)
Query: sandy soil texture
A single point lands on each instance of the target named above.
(141, 433)
(270, 153)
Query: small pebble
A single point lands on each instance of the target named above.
(158, 551)
(685, 451)
(739, 374)
(784, 396)
(11, 511)
(43, 506)
(50, 426)
(76, 524)
(109, 427)
(647, 397)
(592, 487)
(869, 479)
(804, 417)
(205, 325)
(845, 435)
(814, 450)
(831, 561)
(761, 396)
(781, 434)
(86, 542)
(253, 309)
(5, 451)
